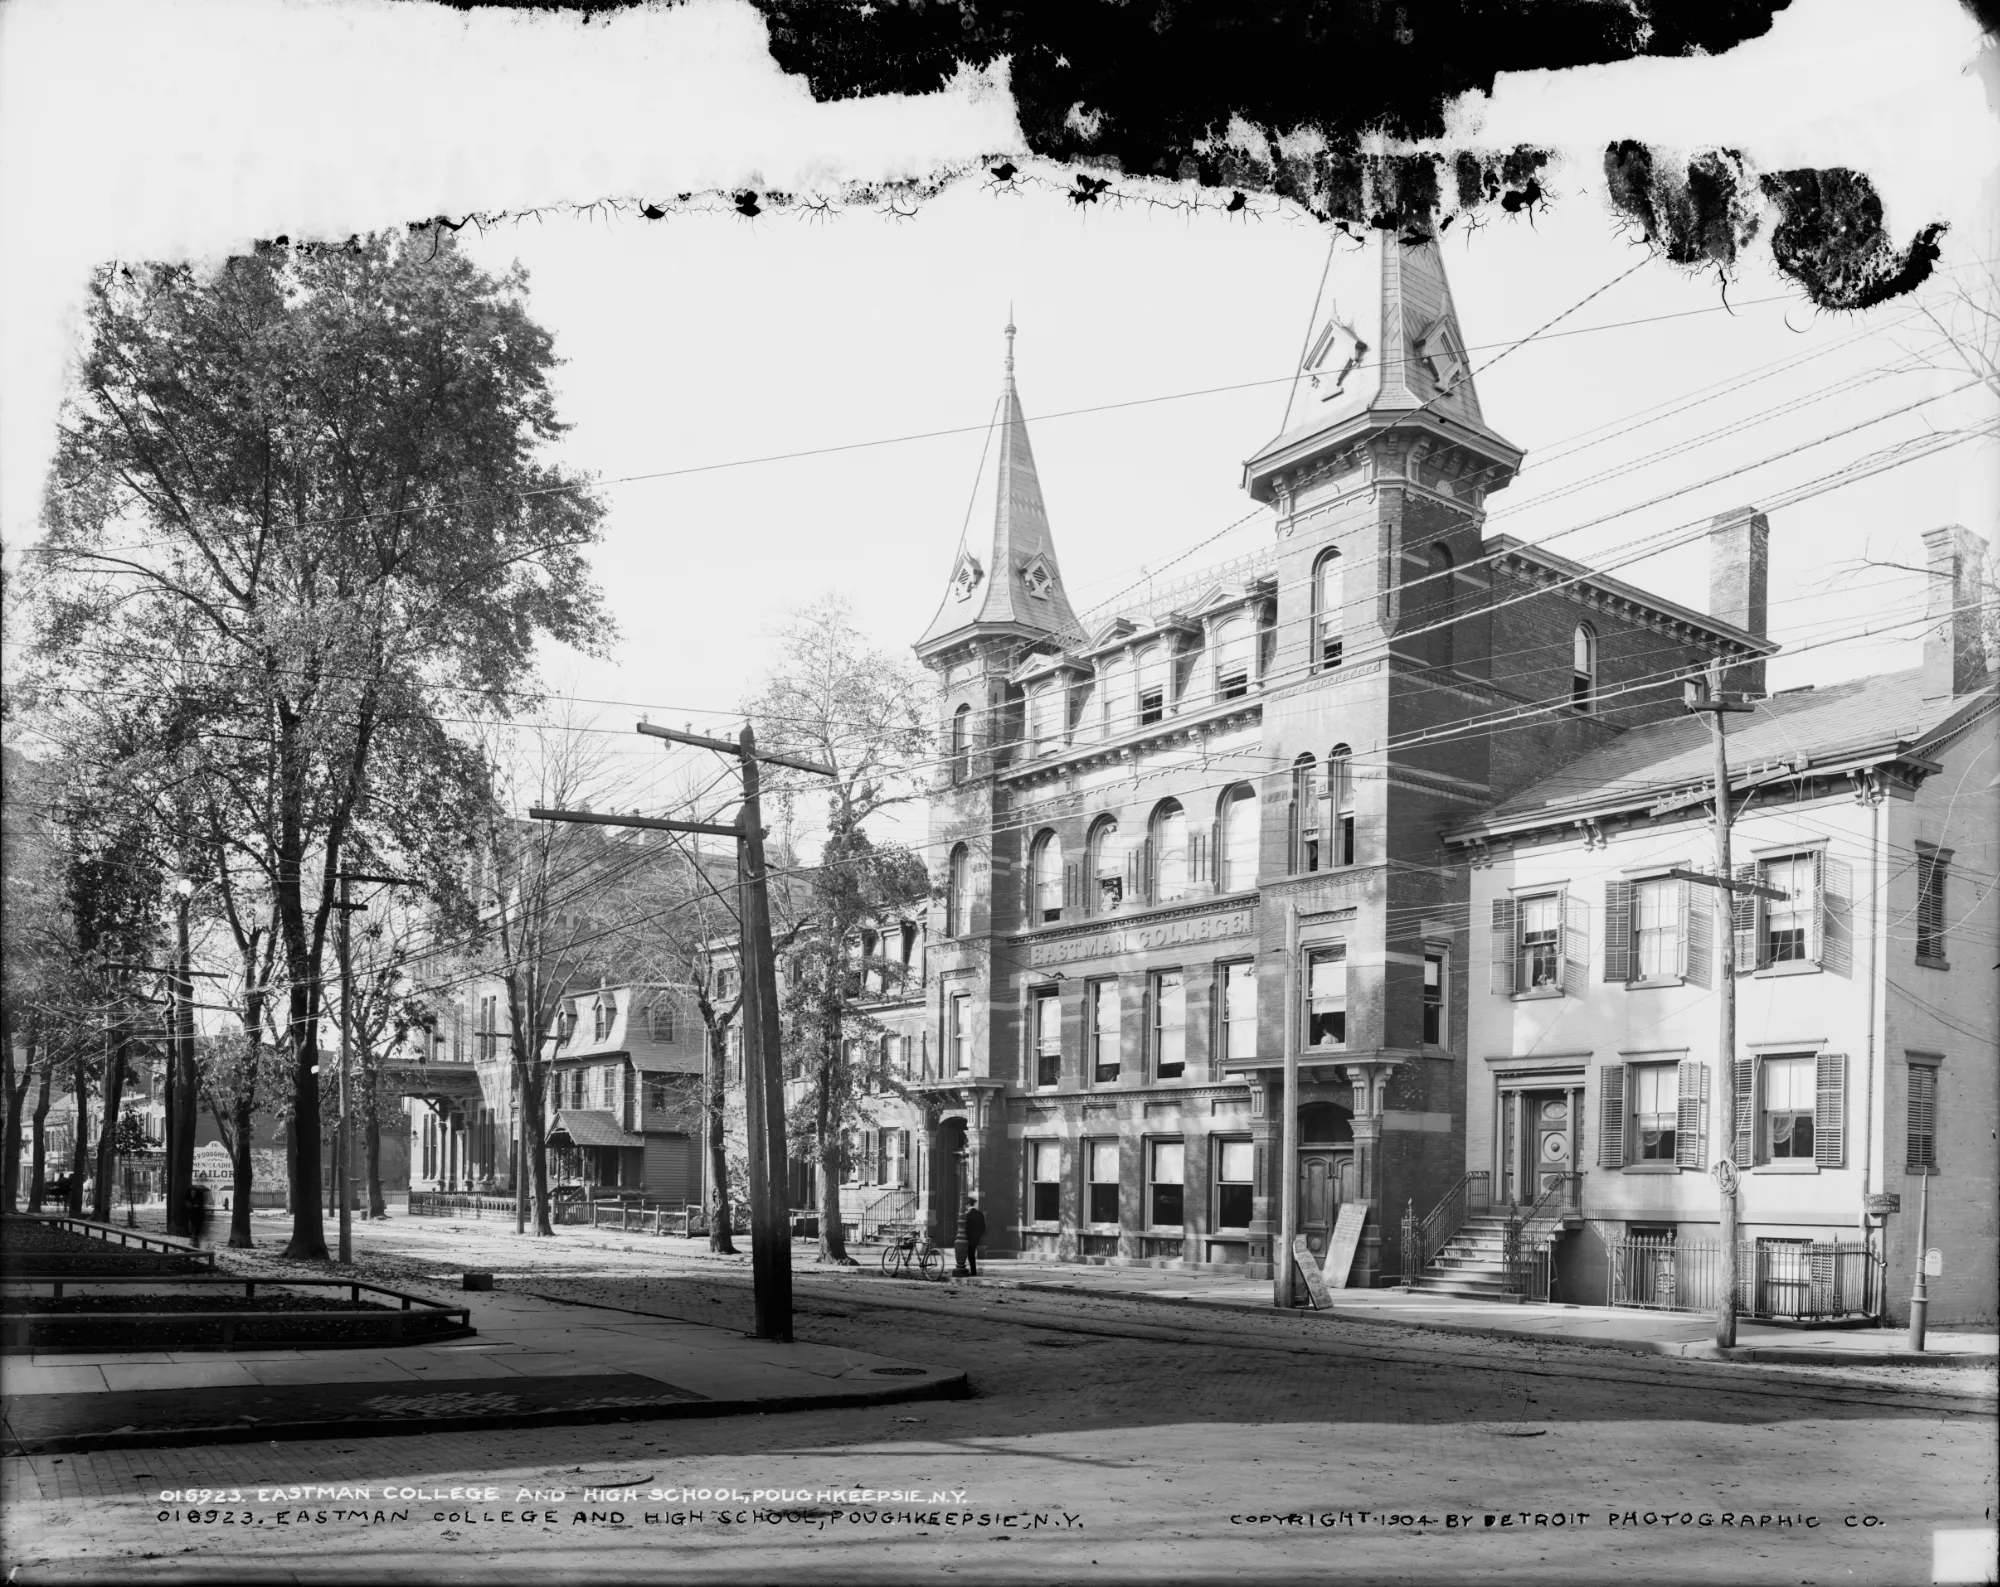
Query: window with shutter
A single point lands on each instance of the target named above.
(1617, 931)
(1830, 1111)
(1503, 947)
(1611, 1116)
(1698, 933)
(1930, 906)
(1743, 914)
(1920, 1138)
(1834, 893)
(1692, 1141)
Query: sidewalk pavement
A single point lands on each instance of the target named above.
(533, 1361)
(1631, 1329)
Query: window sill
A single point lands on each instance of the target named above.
(1320, 1054)
(1652, 981)
(1537, 994)
(1786, 1168)
(1787, 967)
(1932, 964)
(1652, 1168)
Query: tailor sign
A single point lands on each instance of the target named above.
(1143, 938)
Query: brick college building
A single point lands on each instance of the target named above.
(1246, 815)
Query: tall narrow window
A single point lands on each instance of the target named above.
(1048, 1040)
(1238, 859)
(1788, 921)
(1305, 815)
(1655, 1104)
(1170, 852)
(1107, 881)
(1103, 1181)
(1045, 714)
(1340, 800)
(1920, 1143)
(959, 1033)
(1235, 1183)
(600, 1019)
(1169, 1025)
(1104, 1032)
(1046, 868)
(1045, 1167)
(1656, 928)
(1239, 1010)
(1439, 609)
(961, 743)
(1930, 905)
(1583, 669)
(1153, 684)
(1541, 942)
(1165, 1207)
(1434, 998)
(1327, 595)
(958, 899)
(1326, 997)
(1234, 643)
(1789, 1094)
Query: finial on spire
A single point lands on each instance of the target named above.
(1010, 338)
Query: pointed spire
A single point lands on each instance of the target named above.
(1019, 589)
(1389, 351)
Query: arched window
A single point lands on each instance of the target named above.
(1327, 599)
(1340, 798)
(1238, 820)
(1438, 610)
(1305, 815)
(1154, 683)
(958, 893)
(1107, 882)
(1046, 870)
(1234, 647)
(1583, 668)
(961, 742)
(1170, 852)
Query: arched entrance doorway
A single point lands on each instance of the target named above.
(1326, 1170)
(947, 1156)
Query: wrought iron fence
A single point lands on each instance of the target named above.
(1787, 1280)
(1424, 1237)
(458, 1204)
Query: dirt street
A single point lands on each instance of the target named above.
(1108, 1439)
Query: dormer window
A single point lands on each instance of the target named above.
(600, 1020)
(1153, 677)
(1038, 580)
(966, 579)
(1233, 641)
(1583, 669)
(1152, 706)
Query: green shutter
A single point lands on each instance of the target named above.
(1830, 1112)
(1611, 1116)
(1617, 931)
(1503, 946)
(1744, 1150)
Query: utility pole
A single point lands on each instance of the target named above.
(1283, 1292)
(1709, 698)
(763, 1074)
(343, 1179)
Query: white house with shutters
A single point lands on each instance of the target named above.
(1865, 997)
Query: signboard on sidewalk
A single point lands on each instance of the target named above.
(1345, 1242)
(1322, 1297)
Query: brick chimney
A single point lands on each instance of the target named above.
(1954, 648)
(1739, 580)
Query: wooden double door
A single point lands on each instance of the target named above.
(1326, 1180)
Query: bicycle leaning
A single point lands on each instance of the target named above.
(913, 1250)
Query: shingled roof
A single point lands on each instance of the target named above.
(1820, 726)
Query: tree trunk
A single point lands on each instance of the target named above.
(244, 1175)
(38, 1182)
(79, 1140)
(832, 1237)
(538, 1149)
(17, 1098)
(719, 1230)
(107, 1135)
(291, 1163)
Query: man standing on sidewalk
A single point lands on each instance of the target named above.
(975, 1231)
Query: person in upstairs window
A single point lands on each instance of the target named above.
(975, 1232)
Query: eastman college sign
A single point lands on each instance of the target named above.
(1141, 939)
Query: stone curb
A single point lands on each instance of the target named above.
(947, 1386)
(1690, 1350)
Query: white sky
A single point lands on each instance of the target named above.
(137, 130)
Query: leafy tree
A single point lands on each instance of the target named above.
(307, 494)
(836, 700)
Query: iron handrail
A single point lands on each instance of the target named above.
(1518, 1249)
(1424, 1238)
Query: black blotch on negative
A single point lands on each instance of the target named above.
(1831, 239)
